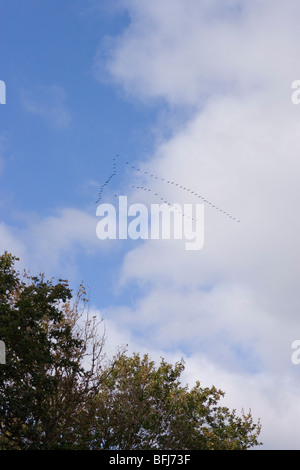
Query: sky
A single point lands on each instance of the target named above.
(103, 94)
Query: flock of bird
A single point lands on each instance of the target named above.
(166, 181)
(107, 181)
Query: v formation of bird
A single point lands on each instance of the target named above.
(164, 180)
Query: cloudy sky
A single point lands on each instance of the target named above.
(197, 92)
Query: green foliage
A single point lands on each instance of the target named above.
(43, 385)
(141, 406)
(58, 391)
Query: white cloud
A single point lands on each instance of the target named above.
(234, 305)
(10, 241)
(52, 243)
(185, 51)
(272, 399)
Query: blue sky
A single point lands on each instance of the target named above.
(197, 92)
(61, 126)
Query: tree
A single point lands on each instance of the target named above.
(53, 362)
(144, 406)
(59, 391)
